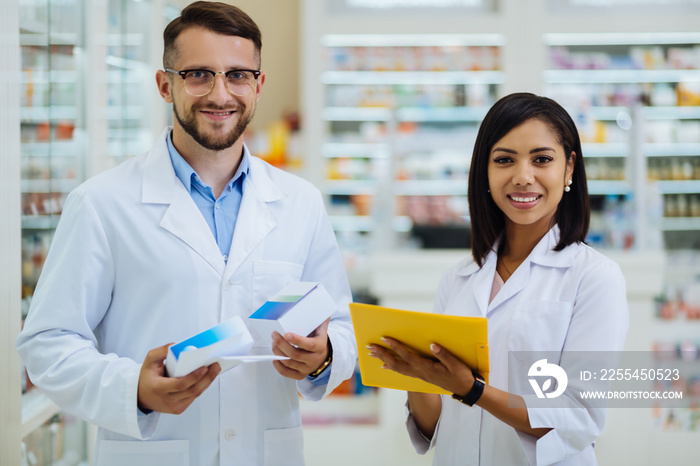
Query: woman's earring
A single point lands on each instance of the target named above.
(488, 190)
(567, 188)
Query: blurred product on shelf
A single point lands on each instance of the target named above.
(413, 58)
(279, 144)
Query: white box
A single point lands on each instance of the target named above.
(224, 343)
(299, 308)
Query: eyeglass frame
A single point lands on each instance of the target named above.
(183, 73)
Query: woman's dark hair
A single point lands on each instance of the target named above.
(218, 17)
(487, 220)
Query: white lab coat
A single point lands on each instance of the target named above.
(133, 266)
(572, 300)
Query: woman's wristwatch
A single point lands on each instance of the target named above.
(474, 394)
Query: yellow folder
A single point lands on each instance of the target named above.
(465, 337)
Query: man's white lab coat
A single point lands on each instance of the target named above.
(133, 266)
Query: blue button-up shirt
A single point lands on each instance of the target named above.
(221, 214)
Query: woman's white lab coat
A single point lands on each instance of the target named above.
(133, 266)
(572, 300)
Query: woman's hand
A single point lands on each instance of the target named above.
(447, 372)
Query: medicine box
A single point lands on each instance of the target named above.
(217, 344)
(299, 308)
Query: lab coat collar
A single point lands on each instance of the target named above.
(184, 220)
(543, 254)
(255, 218)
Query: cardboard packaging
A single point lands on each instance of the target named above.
(227, 343)
(299, 308)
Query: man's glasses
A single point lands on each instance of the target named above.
(199, 83)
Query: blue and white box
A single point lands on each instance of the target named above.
(299, 308)
(227, 343)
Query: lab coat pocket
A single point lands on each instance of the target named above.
(270, 276)
(540, 326)
(134, 453)
(284, 447)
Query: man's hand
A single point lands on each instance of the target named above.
(170, 395)
(306, 354)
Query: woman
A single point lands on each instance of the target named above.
(539, 285)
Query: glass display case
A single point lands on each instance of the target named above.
(85, 105)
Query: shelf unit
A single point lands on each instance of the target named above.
(86, 102)
(400, 115)
(602, 78)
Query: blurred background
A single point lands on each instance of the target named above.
(377, 102)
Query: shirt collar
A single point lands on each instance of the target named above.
(542, 254)
(186, 173)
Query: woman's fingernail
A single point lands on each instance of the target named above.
(384, 340)
(434, 348)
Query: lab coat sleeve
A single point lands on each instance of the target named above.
(324, 264)
(599, 323)
(58, 343)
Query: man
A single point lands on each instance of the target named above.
(172, 242)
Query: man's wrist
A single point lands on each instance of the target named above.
(325, 363)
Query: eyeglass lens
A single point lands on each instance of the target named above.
(200, 82)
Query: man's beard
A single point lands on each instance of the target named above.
(189, 124)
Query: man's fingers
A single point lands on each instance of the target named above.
(287, 372)
(321, 329)
(157, 355)
(202, 384)
(282, 347)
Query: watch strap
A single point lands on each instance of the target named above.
(325, 364)
(474, 394)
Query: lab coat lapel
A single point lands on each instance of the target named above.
(182, 218)
(542, 254)
(513, 286)
(482, 280)
(255, 218)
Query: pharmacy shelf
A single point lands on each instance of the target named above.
(376, 78)
(42, 114)
(49, 186)
(619, 76)
(604, 187)
(365, 223)
(67, 148)
(40, 222)
(674, 149)
(36, 410)
(441, 114)
(356, 114)
(678, 187)
(355, 149)
(412, 40)
(350, 187)
(605, 149)
(680, 223)
(431, 187)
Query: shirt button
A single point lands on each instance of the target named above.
(228, 286)
(218, 205)
(229, 435)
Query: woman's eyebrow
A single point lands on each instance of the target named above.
(541, 149)
(503, 149)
